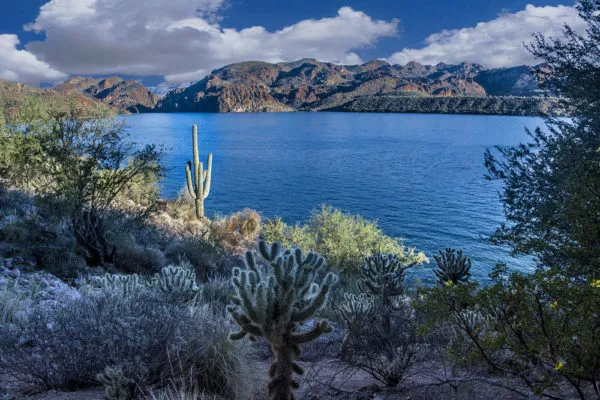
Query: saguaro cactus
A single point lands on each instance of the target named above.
(271, 304)
(198, 180)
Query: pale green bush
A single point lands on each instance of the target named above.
(344, 239)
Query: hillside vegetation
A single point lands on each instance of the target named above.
(22, 102)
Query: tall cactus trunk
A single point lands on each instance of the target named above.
(281, 372)
(198, 180)
(199, 208)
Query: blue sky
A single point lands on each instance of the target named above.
(43, 41)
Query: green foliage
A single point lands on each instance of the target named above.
(452, 267)
(550, 185)
(271, 305)
(547, 323)
(198, 180)
(345, 239)
(80, 168)
(485, 105)
(118, 386)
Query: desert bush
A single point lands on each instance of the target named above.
(216, 292)
(238, 231)
(143, 333)
(10, 305)
(344, 239)
(183, 207)
(216, 364)
(50, 247)
(202, 253)
(133, 258)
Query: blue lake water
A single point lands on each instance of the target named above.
(420, 175)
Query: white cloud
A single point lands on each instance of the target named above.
(22, 66)
(183, 40)
(496, 43)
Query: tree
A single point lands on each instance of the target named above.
(551, 185)
(82, 166)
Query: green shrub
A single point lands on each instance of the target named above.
(541, 329)
(344, 239)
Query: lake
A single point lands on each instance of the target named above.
(420, 175)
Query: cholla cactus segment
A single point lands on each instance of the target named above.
(452, 267)
(177, 282)
(118, 386)
(356, 307)
(472, 321)
(120, 284)
(383, 273)
(270, 303)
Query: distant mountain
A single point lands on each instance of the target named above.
(311, 85)
(17, 99)
(121, 94)
(515, 81)
(163, 89)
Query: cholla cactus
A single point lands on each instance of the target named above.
(471, 321)
(452, 267)
(118, 386)
(121, 284)
(177, 282)
(271, 304)
(356, 312)
(383, 277)
(198, 180)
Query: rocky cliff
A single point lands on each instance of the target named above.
(121, 94)
(310, 85)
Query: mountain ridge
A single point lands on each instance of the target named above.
(311, 85)
(123, 94)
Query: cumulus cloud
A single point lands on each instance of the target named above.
(183, 39)
(496, 43)
(22, 66)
